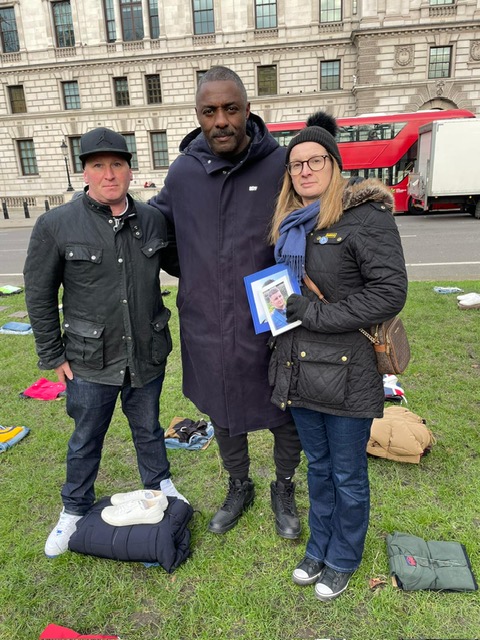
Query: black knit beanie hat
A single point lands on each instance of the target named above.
(321, 128)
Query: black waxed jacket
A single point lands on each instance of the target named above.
(113, 311)
(326, 364)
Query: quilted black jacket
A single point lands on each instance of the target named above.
(327, 364)
(107, 269)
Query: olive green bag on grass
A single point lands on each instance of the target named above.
(441, 566)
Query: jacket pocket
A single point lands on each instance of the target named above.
(322, 371)
(161, 338)
(84, 342)
(84, 253)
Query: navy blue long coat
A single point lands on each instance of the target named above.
(222, 214)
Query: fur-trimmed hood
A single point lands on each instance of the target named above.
(369, 190)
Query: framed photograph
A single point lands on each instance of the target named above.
(267, 293)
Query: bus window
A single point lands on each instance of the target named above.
(405, 165)
(384, 174)
(283, 137)
(346, 134)
(366, 132)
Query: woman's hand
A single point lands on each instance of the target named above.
(296, 307)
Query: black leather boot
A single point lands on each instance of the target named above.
(287, 522)
(239, 497)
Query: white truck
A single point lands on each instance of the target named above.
(446, 175)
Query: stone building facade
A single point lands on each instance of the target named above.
(67, 66)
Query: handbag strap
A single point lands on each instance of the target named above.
(313, 287)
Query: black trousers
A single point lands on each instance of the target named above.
(236, 460)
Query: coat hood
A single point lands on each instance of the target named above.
(369, 190)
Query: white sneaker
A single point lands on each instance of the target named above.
(169, 489)
(136, 512)
(465, 296)
(472, 302)
(140, 494)
(57, 541)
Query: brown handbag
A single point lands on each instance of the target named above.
(389, 339)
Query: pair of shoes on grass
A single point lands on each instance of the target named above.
(136, 507)
(145, 506)
(329, 583)
(240, 496)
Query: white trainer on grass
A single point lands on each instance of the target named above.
(57, 541)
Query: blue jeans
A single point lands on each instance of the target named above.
(338, 486)
(91, 406)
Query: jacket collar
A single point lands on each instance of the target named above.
(369, 190)
(104, 209)
(261, 145)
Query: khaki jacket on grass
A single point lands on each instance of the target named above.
(400, 435)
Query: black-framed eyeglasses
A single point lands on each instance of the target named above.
(316, 163)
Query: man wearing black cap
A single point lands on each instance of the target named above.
(106, 250)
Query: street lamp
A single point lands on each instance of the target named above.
(64, 149)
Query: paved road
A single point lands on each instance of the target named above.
(14, 237)
(444, 247)
(441, 247)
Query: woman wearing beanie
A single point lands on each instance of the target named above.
(344, 238)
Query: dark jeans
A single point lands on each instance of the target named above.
(91, 406)
(338, 486)
(236, 460)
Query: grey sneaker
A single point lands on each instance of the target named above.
(57, 541)
(331, 584)
(307, 571)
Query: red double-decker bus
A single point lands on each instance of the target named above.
(378, 145)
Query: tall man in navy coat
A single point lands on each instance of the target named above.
(220, 194)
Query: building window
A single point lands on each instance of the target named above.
(154, 89)
(153, 17)
(199, 75)
(74, 145)
(203, 17)
(267, 80)
(122, 97)
(132, 19)
(330, 10)
(330, 75)
(17, 99)
(28, 160)
(63, 24)
(109, 11)
(265, 14)
(439, 63)
(436, 3)
(159, 149)
(132, 147)
(71, 96)
(8, 30)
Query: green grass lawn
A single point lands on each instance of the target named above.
(239, 585)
